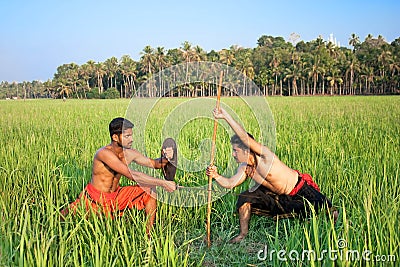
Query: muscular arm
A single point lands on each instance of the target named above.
(240, 131)
(113, 162)
(231, 182)
(139, 158)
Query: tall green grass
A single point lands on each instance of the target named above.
(350, 145)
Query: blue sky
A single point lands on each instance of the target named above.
(37, 36)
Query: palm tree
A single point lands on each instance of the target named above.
(276, 69)
(63, 88)
(199, 54)
(160, 58)
(85, 73)
(212, 56)
(226, 56)
(174, 56)
(368, 75)
(187, 54)
(100, 72)
(262, 79)
(186, 50)
(147, 59)
(354, 41)
(161, 62)
(67, 78)
(332, 50)
(73, 77)
(127, 68)
(245, 65)
(91, 66)
(49, 86)
(111, 65)
(384, 59)
(369, 37)
(394, 68)
(334, 79)
(294, 74)
(353, 66)
(148, 62)
(314, 71)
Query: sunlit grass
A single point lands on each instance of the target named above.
(350, 145)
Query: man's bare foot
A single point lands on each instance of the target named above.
(335, 216)
(237, 239)
(333, 213)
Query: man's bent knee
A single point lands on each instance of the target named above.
(245, 206)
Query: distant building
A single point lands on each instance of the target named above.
(332, 39)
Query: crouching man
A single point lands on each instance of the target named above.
(279, 192)
(103, 194)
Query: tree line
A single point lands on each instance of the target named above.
(276, 66)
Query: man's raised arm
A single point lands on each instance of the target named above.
(240, 131)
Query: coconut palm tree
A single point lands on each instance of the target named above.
(368, 75)
(353, 66)
(384, 60)
(188, 55)
(245, 65)
(63, 88)
(85, 73)
(354, 41)
(276, 69)
(262, 78)
(334, 79)
(147, 61)
(111, 66)
(199, 54)
(394, 68)
(226, 56)
(293, 74)
(161, 62)
(128, 67)
(315, 70)
(100, 71)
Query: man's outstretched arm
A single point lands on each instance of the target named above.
(229, 183)
(132, 155)
(241, 132)
(113, 162)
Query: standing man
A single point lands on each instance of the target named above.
(279, 190)
(103, 194)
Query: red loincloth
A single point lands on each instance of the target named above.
(304, 178)
(108, 203)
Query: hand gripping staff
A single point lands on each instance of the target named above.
(212, 163)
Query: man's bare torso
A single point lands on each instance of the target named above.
(275, 175)
(104, 178)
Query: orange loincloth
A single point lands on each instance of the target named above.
(126, 197)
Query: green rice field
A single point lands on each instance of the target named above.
(350, 145)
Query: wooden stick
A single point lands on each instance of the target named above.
(212, 163)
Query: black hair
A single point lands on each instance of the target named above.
(250, 169)
(118, 125)
(237, 141)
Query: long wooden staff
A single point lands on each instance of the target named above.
(212, 163)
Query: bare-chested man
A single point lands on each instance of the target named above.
(104, 194)
(279, 189)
